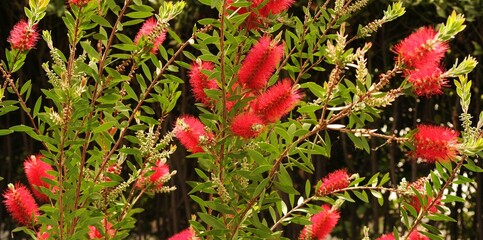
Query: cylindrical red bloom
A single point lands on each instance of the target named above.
(419, 185)
(94, 233)
(427, 80)
(247, 125)
(275, 7)
(435, 143)
(187, 234)
(260, 63)
(199, 81)
(421, 48)
(159, 171)
(36, 170)
(259, 14)
(415, 235)
(23, 37)
(336, 180)
(278, 100)
(21, 204)
(148, 30)
(43, 235)
(79, 3)
(189, 130)
(388, 236)
(322, 224)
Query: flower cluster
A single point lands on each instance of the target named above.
(159, 175)
(191, 133)
(336, 180)
(154, 34)
(260, 63)
(270, 105)
(199, 81)
(435, 143)
(23, 36)
(36, 170)
(79, 3)
(413, 236)
(267, 105)
(421, 54)
(187, 234)
(19, 201)
(94, 233)
(322, 224)
(259, 12)
(21, 205)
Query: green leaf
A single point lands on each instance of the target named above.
(441, 217)
(104, 127)
(362, 196)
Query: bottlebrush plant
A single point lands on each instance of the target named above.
(271, 89)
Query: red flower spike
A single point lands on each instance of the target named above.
(247, 125)
(260, 63)
(388, 236)
(427, 80)
(43, 235)
(23, 37)
(199, 81)
(336, 180)
(258, 17)
(415, 235)
(146, 30)
(94, 233)
(435, 144)
(160, 170)
(421, 48)
(36, 170)
(275, 7)
(21, 205)
(278, 100)
(78, 3)
(187, 234)
(322, 224)
(189, 130)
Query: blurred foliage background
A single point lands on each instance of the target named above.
(167, 214)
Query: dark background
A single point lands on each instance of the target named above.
(168, 213)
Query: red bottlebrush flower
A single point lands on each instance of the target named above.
(427, 80)
(157, 178)
(79, 3)
(189, 130)
(278, 100)
(94, 233)
(336, 180)
(260, 63)
(420, 48)
(419, 185)
(259, 14)
(415, 235)
(36, 170)
(247, 125)
(187, 234)
(149, 29)
(199, 81)
(43, 235)
(322, 224)
(21, 204)
(23, 37)
(275, 7)
(435, 143)
(388, 236)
